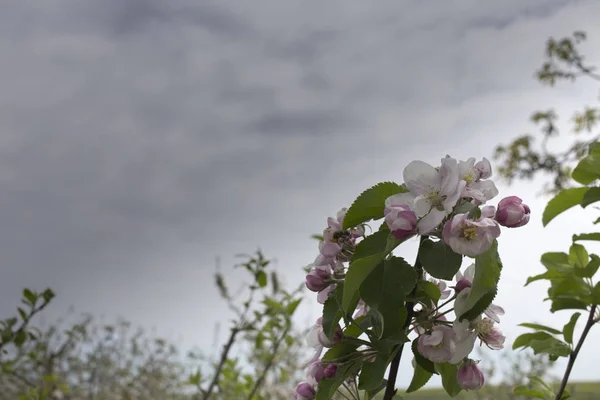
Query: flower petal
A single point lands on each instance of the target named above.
(421, 178)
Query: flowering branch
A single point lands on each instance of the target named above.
(390, 389)
(573, 356)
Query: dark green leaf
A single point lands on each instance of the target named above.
(570, 327)
(331, 310)
(449, 374)
(367, 255)
(541, 328)
(343, 351)
(481, 305)
(591, 196)
(564, 200)
(22, 313)
(48, 295)
(439, 260)
(487, 274)
(430, 290)
(587, 236)
(419, 379)
(371, 203)
(372, 373)
(376, 322)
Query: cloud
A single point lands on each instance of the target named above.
(141, 139)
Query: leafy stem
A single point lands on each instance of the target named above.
(573, 356)
(390, 389)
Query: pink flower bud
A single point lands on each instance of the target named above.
(330, 371)
(399, 216)
(305, 391)
(512, 213)
(335, 338)
(462, 285)
(316, 371)
(318, 279)
(470, 376)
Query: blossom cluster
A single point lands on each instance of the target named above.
(449, 202)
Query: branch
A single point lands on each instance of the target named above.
(390, 389)
(573, 355)
(269, 363)
(24, 323)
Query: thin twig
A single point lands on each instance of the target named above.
(390, 389)
(573, 355)
(269, 364)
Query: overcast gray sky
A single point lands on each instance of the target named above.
(140, 139)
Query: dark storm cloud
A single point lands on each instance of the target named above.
(140, 139)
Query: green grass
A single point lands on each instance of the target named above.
(579, 391)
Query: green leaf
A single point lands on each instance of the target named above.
(332, 312)
(371, 203)
(439, 260)
(482, 304)
(367, 255)
(587, 236)
(568, 304)
(525, 339)
(384, 290)
(20, 338)
(590, 197)
(541, 328)
(551, 346)
(376, 321)
(487, 274)
(430, 290)
(30, 296)
(596, 294)
(525, 391)
(449, 374)
(372, 373)
(564, 200)
(419, 379)
(48, 295)
(578, 256)
(570, 327)
(340, 351)
(590, 269)
(328, 387)
(261, 278)
(423, 362)
(588, 169)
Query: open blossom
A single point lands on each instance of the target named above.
(317, 339)
(464, 340)
(470, 376)
(435, 192)
(476, 188)
(470, 237)
(305, 391)
(512, 213)
(399, 216)
(465, 280)
(337, 244)
(438, 345)
(489, 334)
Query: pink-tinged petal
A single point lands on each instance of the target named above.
(449, 178)
(470, 377)
(323, 295)
(434, 338)
(488, 212)
(330, 249)
(487, 188)
(461, 302)
(464, 347)
(470, 272)
(334, 224)
(466, 167)
(485, 168)
(421, 178)
(400, 199)
(421, 205)
(452, 198)
(430, 221)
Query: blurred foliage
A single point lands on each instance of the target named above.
(90, 360)
(525, 157)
